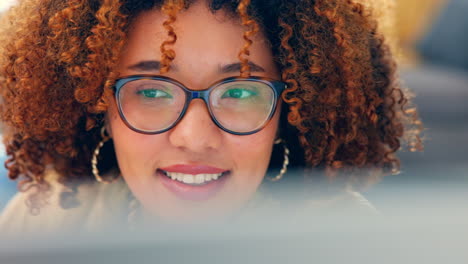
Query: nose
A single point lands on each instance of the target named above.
(196, 132)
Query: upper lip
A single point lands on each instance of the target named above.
(193, 169)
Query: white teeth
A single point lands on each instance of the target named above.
(189, 179)
(200, 178)
(208, 177)
(180, 177)
(193, 179)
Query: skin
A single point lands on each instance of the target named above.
(206, 43)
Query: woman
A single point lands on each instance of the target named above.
(179, 104)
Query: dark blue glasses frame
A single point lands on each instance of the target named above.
(277, 86)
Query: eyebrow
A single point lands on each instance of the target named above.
(236, 67)
(153, 65)
(149, 66)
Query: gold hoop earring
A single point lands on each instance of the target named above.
(284, 169)
(94, 161)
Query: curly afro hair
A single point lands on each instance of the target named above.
(345, 109)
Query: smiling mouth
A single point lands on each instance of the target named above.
(194, 180)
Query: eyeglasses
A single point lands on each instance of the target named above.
(151, 104)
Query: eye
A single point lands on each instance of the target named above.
(154, 93)
(239, 93)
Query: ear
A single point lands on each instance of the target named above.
(108, 103)
(283, 120)
(107, 125)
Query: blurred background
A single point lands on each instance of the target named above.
(430, 41)
(431, 45)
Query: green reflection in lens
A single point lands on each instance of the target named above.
(239, 93)
(154, 93)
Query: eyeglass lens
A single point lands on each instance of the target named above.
(155, 105)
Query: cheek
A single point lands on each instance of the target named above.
(252, 155)
(135, 152)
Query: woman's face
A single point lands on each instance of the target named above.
(206, 50)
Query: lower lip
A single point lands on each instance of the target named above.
(190, 192)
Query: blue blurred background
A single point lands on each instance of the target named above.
(7, 187)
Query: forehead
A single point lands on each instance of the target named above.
(206, 42)
(197, 29)
(194, 26)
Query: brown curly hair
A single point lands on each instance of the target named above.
(346, 109)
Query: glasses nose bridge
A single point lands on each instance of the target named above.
(197, 94)
(203, 95)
